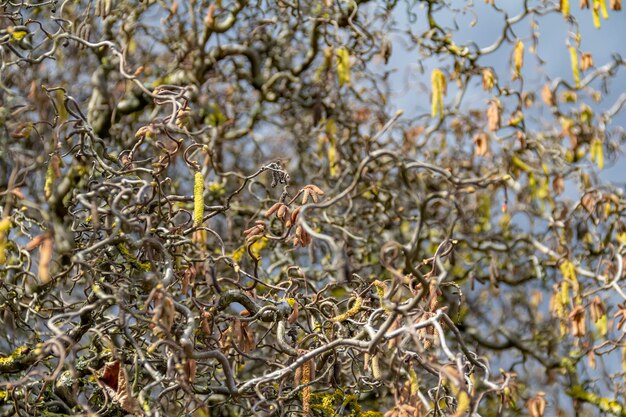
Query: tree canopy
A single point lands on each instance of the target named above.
(311, 208)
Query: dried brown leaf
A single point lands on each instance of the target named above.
(293, 317)
(242, 336)
(577, 321)
(209, 19)
(481, 144)
(190, 370)
(114, 380)
(558, 184)
(537, 405)
(493, 115)
(163, 315)
(588, 201)
(548, 96)
(597, 309)
(586, 61)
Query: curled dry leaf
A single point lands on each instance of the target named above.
(190, 370)
(558, 184)
(408, 404)
(293, 317)
(489, 79)
(537, 405)
(577, 320)
(620, 315)
(516, 118)
(206, 323)
(114, 380)
(493, 115)
(528, 99)
(209, 19)
(242, 335)
(589, 201)
(163, 315)
(548, 96)
(481, 144)
(597, 309)
(362, 115)
(188, 277)
(22, 131)
(569, 97)
(586, 61)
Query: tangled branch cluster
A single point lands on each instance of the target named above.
(214, 208)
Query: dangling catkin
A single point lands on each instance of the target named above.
(595, 11)
(376, 372)
(574, 59)
(438, 85)
(351, 312)
(198, 199)
(565, 7)
(306, 391)
(603, 9)
(518, 59)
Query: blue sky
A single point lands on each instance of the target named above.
(551, 59)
